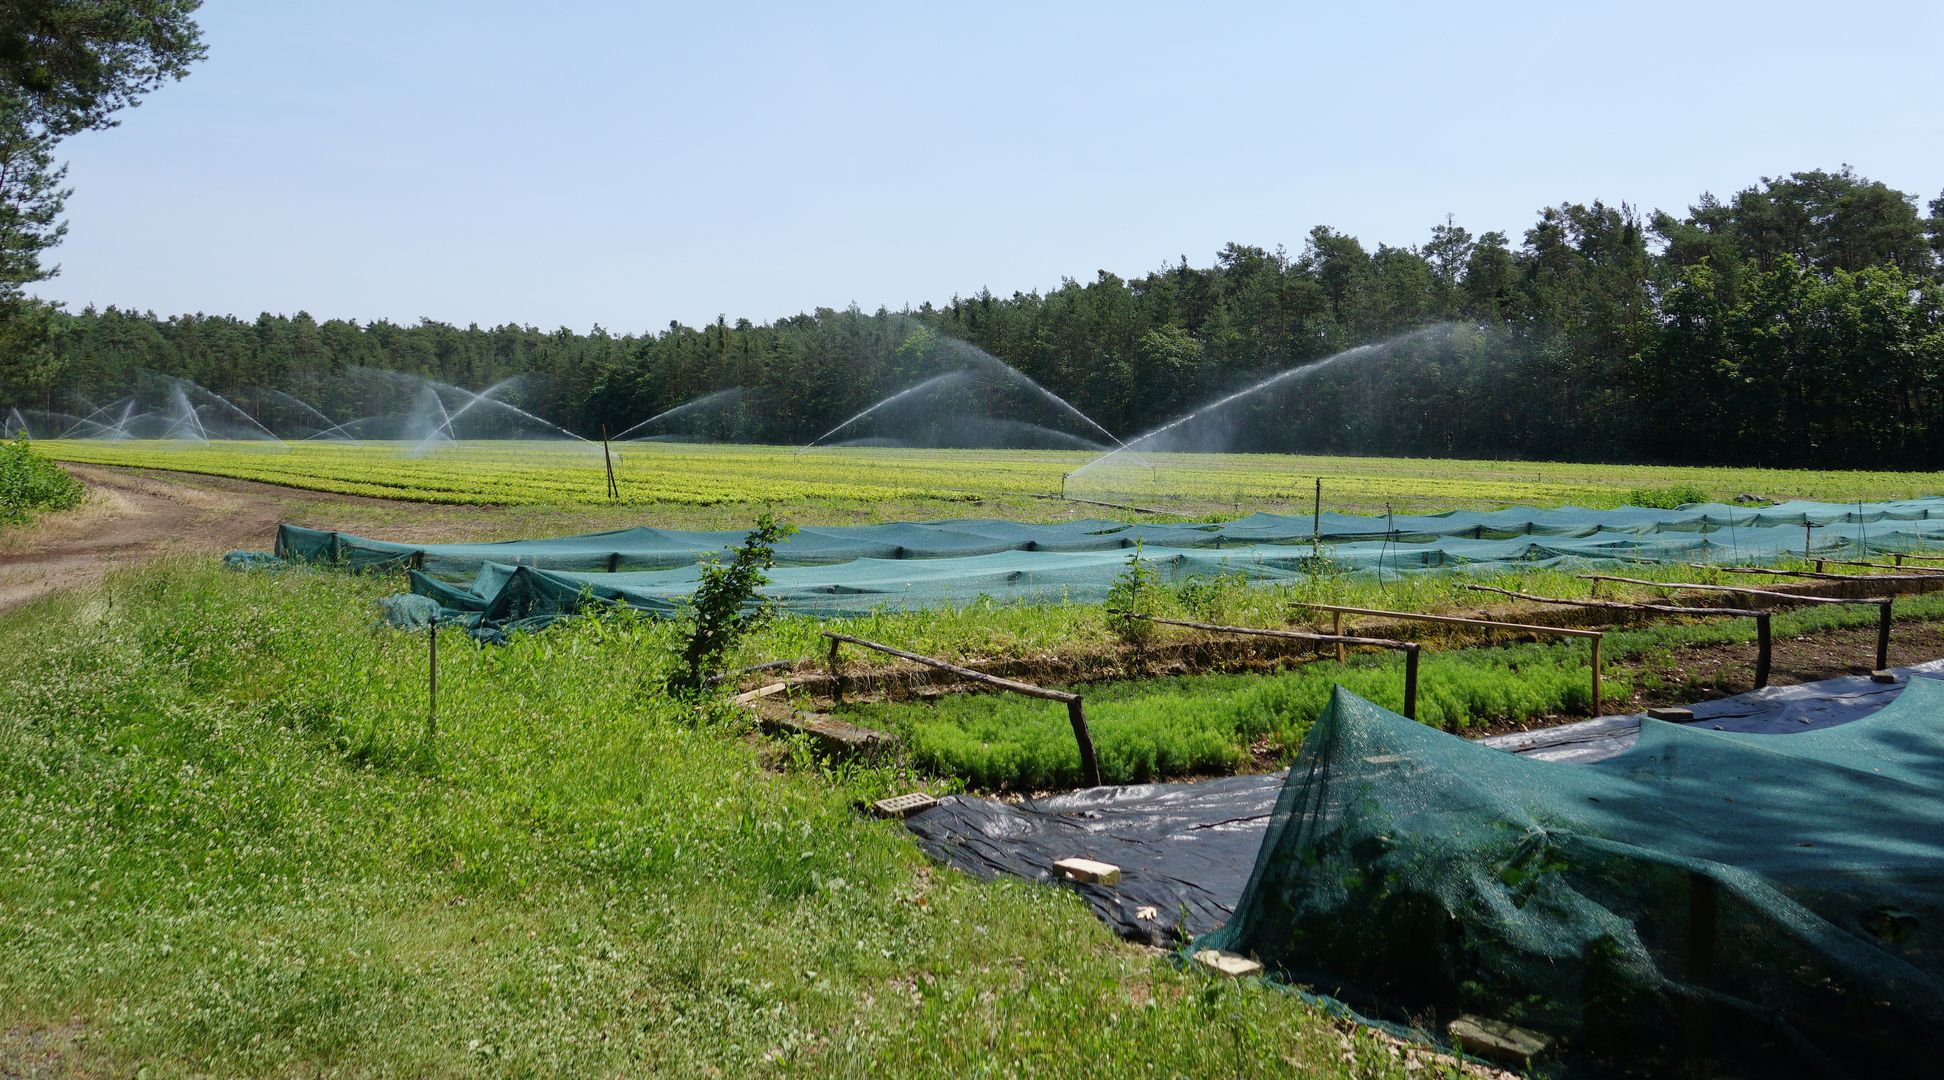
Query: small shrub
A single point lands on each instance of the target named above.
(1134, 594)
(726, 605)
(1212, 599)
(29, 482)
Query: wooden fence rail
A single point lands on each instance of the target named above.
(1594, 637)
(1410, 649)
(1076, 712)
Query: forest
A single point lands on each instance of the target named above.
(1798, 322)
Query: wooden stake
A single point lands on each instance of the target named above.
(1596, 676)
(1316, 520)
(614, 491)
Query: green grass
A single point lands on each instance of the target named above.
(230, 849)
(846, 482)
(30, 483)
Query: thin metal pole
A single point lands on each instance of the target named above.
(432, 680)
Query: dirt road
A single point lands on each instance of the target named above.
(130, 517)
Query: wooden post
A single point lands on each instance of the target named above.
(1410, 682)
(1336, 627)
(836, 675)
(1596, 676)
(1089, 764)
(1883, 637)
(1764, 643)
(1316, 520)
(614, 492)
(432, 681)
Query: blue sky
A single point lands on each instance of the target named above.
(631, 164)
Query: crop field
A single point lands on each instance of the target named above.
(674, 476)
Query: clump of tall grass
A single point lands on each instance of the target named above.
(30, 482)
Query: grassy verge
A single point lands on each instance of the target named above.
(30, 483)
(230, 849)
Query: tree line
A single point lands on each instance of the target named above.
(1799, 322)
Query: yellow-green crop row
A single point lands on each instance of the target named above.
(560, 474)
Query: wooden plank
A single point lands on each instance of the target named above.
(1225, 963)
(1617, 605)
(760, 692)
(1793, 598)
(1456, 620)
(962, 672)
(1295, 635)
(1088, 870)
(1497, 1040)
(834, 737)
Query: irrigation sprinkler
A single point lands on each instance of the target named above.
(1076, 712)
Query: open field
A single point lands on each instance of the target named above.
(681, 483)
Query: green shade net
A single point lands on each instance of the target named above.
(1762, 902)
(836, 571)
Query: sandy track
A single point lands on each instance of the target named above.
(129, 518)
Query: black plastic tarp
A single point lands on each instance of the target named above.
(1186, 849)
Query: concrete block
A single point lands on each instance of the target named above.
(1224, 963)
(1497, 1040)
(1098, 873)
(903, 806)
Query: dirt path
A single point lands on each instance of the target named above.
(129, 518)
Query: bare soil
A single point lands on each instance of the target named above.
(133, 516)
